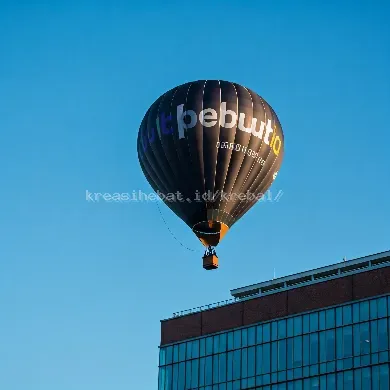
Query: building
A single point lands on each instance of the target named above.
(323, 329)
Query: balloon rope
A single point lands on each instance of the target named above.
(170, 231)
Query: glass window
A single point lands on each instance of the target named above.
(290, 327)
(216, 344)
(364, 311)
(251, 361)
(348, 380)
(321, 320)
(323, 382)
(314, 348)
(266, 333)
(259, 334)
(182, 352)
(189, 350)
(373, 309)
(176, 353)
(222, 342)
(244, 337)
(330, 345)
(229, 366)
(266, 358)
(209, 371)
(215, 369)
(322, 337)
(298, 385)
(195, 374)
(202, 365)
(374, 336)
(298, 351)
(313, 322)
(339, 343)
(162, 357)
(383, 339)
(168, 378)
(237, 365)
(188, 374)
(274, 356)
(356, 312)
(244, 363)
(209, 345)
(347, 341)
(315, 383)
(357, 380)
(280, 386)
(347, 315)
(230, 341)
(375, 377)
(182, 375)
(237, 339)
(290, 353)
(161, 378)
(306, 323)
(340, 381)
(282, 333)
(274, 330)
(382, 307)
(339, 316)
(306, 350)
(195, 349)
(384, 378)
(175, 376)
(330, 319)
(251, 336)
(366, 378)
(356, 340)
(365, 338)
(259, 359)
(282, 354)
(298, 326)
(331, 381)
(222, 367)
(202, 344)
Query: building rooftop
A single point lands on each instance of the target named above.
(318, 275)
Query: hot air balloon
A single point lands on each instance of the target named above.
(210, 149)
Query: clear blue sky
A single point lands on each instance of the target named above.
(83, 286)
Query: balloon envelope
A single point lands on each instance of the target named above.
(210, 149)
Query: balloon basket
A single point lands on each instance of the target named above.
(210, 262)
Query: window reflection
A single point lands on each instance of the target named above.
(348, 338)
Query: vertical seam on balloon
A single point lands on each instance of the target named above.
(191, 165)
(235, 212)
(219, 133)
(242, 162)
(154, 171)
(152, 175)
(241, 206)
(238, 207)
(160, 136)
(261, 144)
(204, 176)
(231, 154)
(252, 202)
(173, 133)
(159, 156)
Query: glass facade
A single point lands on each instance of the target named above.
(340, 348)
